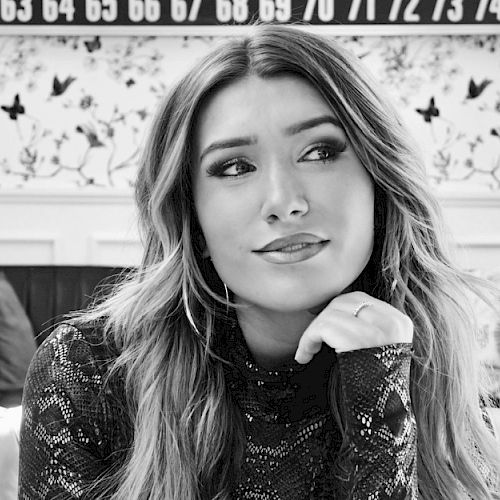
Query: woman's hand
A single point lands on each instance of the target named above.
(375, 325)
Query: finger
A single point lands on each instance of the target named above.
(347, 332)
(349, 302)
(340, 330)
(309, 344)
(396, 324)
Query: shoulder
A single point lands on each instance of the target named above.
(71, 354)
(76, 425)
(67, 382)
(68, 335)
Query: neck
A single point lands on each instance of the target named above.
(272, 336)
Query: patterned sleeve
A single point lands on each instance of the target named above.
(380, 461)
(63, 444)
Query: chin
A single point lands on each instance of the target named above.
(299, 302)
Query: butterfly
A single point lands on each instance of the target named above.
(91, 135)
(59, 87)
(430, 112)
(16, 109)
(130, 82)
(142, 113)
(92, 45)
(476, 90)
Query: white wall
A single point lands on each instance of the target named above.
(100, 229)
(66, 200)
(474, 224)
(64, 229)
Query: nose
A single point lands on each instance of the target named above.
(284, 196)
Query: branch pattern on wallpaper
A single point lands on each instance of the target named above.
(75, 110)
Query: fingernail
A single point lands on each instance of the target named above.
(301, 358)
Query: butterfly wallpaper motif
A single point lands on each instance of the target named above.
(75, 110)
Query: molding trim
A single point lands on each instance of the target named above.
(473, 198)
(481, 241)
(56, 197)
(28, 249)
(113, 239)
(28, 237)
(447, 198)
(113, 249)
(228, 30)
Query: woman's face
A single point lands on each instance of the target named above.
(285, 206)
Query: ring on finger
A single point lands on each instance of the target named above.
(361, 306)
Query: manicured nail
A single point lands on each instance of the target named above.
(301, 358)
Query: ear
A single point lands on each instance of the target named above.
(205, 254)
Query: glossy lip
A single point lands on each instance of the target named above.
(291, 249)
(281, 244)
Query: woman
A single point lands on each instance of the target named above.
(294, 272)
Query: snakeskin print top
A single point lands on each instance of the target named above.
(76, 428)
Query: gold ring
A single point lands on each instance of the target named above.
(361, 306)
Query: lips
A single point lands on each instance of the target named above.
(291, 243)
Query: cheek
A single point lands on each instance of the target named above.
(349, 201)
(362, 218)
(353, 213)
(223, 220)
(226, 248)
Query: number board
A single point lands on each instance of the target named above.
(158, 16)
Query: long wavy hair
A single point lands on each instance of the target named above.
(188, 437)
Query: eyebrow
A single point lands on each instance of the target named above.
(289, 131)
(313, 122)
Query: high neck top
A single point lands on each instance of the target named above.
(76, 427)
(289, 393)
(291, 438)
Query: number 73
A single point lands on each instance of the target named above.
(454, 14)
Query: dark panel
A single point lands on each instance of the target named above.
(47, 293)
(41, 299)
(19, 279)
(67, 291)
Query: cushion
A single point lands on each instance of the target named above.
(17, 345)
(489, 338)
(10, 425)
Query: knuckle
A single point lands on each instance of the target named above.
(380, 336)
(360, 295)
(311, 348)
(406, 322)
(402, 327)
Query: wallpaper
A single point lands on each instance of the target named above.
(75, 110)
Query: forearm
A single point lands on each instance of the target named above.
(380, 456)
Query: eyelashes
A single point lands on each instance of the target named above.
(241, 165)
(323, 152)
(332, 149)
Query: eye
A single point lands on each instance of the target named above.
(324, 152)
(232, 168)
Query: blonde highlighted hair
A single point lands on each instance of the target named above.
(188, 435)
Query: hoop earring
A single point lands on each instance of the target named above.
(226, 291)
(393, 287)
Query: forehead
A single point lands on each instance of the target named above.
(253, 102)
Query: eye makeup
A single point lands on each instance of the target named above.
(218, 169)
(333, 146)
